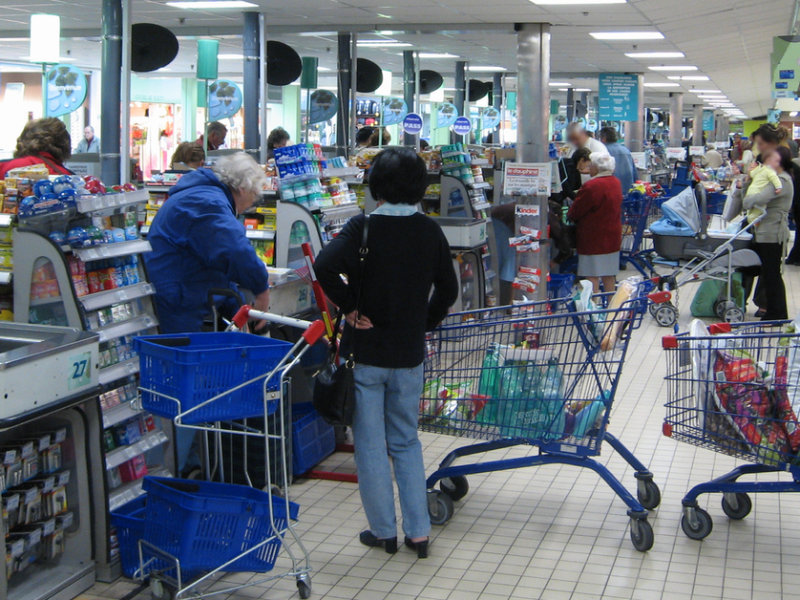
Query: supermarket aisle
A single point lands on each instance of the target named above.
(558, 533)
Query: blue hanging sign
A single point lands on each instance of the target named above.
(66, 90)
(619, 97)
(446, 115)
(591, 125)
(462, 126)
(412, 124)
(224, 99)
(560, 123)
(490, 117)
(394, 111)
(324, 106)
(708, 120)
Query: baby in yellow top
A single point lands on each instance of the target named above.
(762, 176)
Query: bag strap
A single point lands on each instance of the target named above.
(362, 259)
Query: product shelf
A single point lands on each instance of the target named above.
(341, 211)
(5, 277)
(117, 414)
(342, 172)
(482, 185)
(113, 250)
(260, 234)
(107, 298)
(135, 325)
(109, 204)
(120, 455)
(132, 490)
(6, 220)
(119, 370)
(43, 301)
(480, 162)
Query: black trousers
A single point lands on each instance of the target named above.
(770, 292)
(794, 255)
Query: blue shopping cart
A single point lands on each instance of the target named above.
(538, 374)
(735, 390)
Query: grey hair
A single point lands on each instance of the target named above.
(241, 173)
(216, 126)
(575, 126)
(603, 161)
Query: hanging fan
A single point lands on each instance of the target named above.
(284, 65)
(369, 76)
(153, 47)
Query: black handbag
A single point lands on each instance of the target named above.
(334, 385)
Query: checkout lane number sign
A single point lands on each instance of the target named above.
(80, 370)
(412, 124)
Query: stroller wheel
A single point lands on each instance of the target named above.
(734, 315)
(723, 306)
(666, 315)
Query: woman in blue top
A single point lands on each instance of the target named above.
(199, 244)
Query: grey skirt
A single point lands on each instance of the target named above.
(598, 265)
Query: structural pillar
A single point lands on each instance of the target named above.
(460, 95)
(675, 119)
(570, 105)
(635, 130)
(697, 125)
(343, 84)
(251, 82)
(533, 91)
(497, 91)
(409, 91)
(111, 73)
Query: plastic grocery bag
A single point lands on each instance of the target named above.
(533, 405)
(584, 303)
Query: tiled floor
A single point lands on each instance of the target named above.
(557, 533)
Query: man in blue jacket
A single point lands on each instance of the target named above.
(199, 244)
(626, 169)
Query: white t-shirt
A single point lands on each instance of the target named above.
(594, 145)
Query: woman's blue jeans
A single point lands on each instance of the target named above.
(384, 426)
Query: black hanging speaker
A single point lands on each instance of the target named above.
(369, 76)
(153, 47)
(429, 81)
(477, 90)
(283, 64)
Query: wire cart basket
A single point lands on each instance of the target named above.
(554, 392)
(735, 390)
(635, 220)
(197, 530)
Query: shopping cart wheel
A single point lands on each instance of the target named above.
(734, 315)
(455, 487)
(304, 587)
(641, 534)
(701, 526)
(440, 507)
(666, 315)
(648, 493)
(161, 590)
(652, 308)
(737, 506)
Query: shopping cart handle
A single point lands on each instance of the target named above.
(314, 332)
(242, 316)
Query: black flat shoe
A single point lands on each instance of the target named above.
(420, 547)
(368, 539)
(759, 314)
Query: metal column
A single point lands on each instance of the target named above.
(111, 73)
(497, 91)
(697, 125)
(409, 90)
(343, 84)
(262, 86)
(675, 120)
(460, 96)
(635, 130)
(125, 95)
(252, 85)
(533, 91)
(353, 87)
(570, 105)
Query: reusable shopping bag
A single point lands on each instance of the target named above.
(712, 291)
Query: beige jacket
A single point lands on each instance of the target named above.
(774, 227)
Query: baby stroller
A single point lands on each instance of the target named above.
(683, 239)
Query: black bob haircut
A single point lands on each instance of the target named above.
(363, 135)
(398, 176)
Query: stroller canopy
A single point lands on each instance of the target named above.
(681, 216)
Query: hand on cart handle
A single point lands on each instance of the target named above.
(313, 330)
(358, 321)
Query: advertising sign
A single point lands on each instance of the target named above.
(619, 97)
(446, 115)
(708, 120)
(462, 126)
(224, 99)
(412, 124)
(394, 111)
(527, 179)
(66, 90)
(490, 117)
(324, 106)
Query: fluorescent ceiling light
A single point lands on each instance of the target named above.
(573, 2)
(211, 4)
(487, 69)
(673, 68)
(437, 55)
(662, 85)
(559, 84)
(627, 35)
(794, 113)
(688, 77)
(564, 89)
(655, 55)
(230, 56)
(323, 69)
(317, 34)
(656, 108)
(583, 89)
(706, 91)
(377, 44)
(60, 59)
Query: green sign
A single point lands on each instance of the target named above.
(619, 97)
(785, 65)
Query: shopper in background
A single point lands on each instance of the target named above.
(793, 147)
(42, 141)
(626, 169)
(597, 212)
(408, 257)
(216, 136)
(188, 156)
(769, 137)
(580, 138)
(90, 144)
(198, 245)
(770, 237)
(746, 161)
(362, 136)
(380, 137)
(712, 158)
(424, 145)
(277, 138)
(736, 148)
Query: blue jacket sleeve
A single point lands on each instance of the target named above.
(218, 239)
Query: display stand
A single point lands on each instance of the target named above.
(540, 259)
(131, 442)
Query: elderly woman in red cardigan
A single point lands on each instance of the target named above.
(597, 212)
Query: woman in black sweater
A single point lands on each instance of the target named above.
(408, 256)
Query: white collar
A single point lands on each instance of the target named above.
(604, 174)
(395, 210)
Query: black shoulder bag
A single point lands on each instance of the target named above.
(334, 385)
